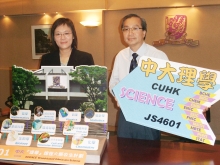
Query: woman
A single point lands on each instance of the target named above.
(64, 39)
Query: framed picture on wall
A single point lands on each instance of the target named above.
(41, 40)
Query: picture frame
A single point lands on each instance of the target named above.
(41, 40)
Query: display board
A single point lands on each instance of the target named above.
(58, 114)
(170, 97)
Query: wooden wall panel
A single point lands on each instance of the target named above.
(140, 4)
(47, 6)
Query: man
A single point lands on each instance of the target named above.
(134, 29)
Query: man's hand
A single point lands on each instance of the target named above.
(117, 102)
(205, 110)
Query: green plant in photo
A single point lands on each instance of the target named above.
(93, 81)
(23, 86)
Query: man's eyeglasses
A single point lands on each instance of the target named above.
(66, 35)
(133, 29)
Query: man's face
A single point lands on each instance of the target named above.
(133, 34)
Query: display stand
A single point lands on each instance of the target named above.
(65, 121)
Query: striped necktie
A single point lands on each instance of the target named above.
(134, 63)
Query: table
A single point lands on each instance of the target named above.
(122, 151)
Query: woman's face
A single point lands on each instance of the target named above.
(63, 37)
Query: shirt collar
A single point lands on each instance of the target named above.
(141, 51)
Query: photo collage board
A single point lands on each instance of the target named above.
(58, 104)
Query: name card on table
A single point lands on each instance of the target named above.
(48, 115)
(99, 117)
(170, 97)
(74, 116)
(85, 144)
(8, 126)
(38, 128)
(50, 142)
(76, 129)
(21, 114)
(15, 139)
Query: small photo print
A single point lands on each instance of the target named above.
(44, 137)
(12, 136)
(77, 139)
(38, 111)
(68, 125)
(89, 113)
(14, 110)
(7, 123)
(64, 112)
(37, 124)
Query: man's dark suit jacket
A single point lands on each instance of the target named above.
(77, 58)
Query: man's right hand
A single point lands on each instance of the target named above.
(117, 102)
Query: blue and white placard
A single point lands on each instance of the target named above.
(170, 97)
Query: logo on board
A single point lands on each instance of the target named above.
(176, 32)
